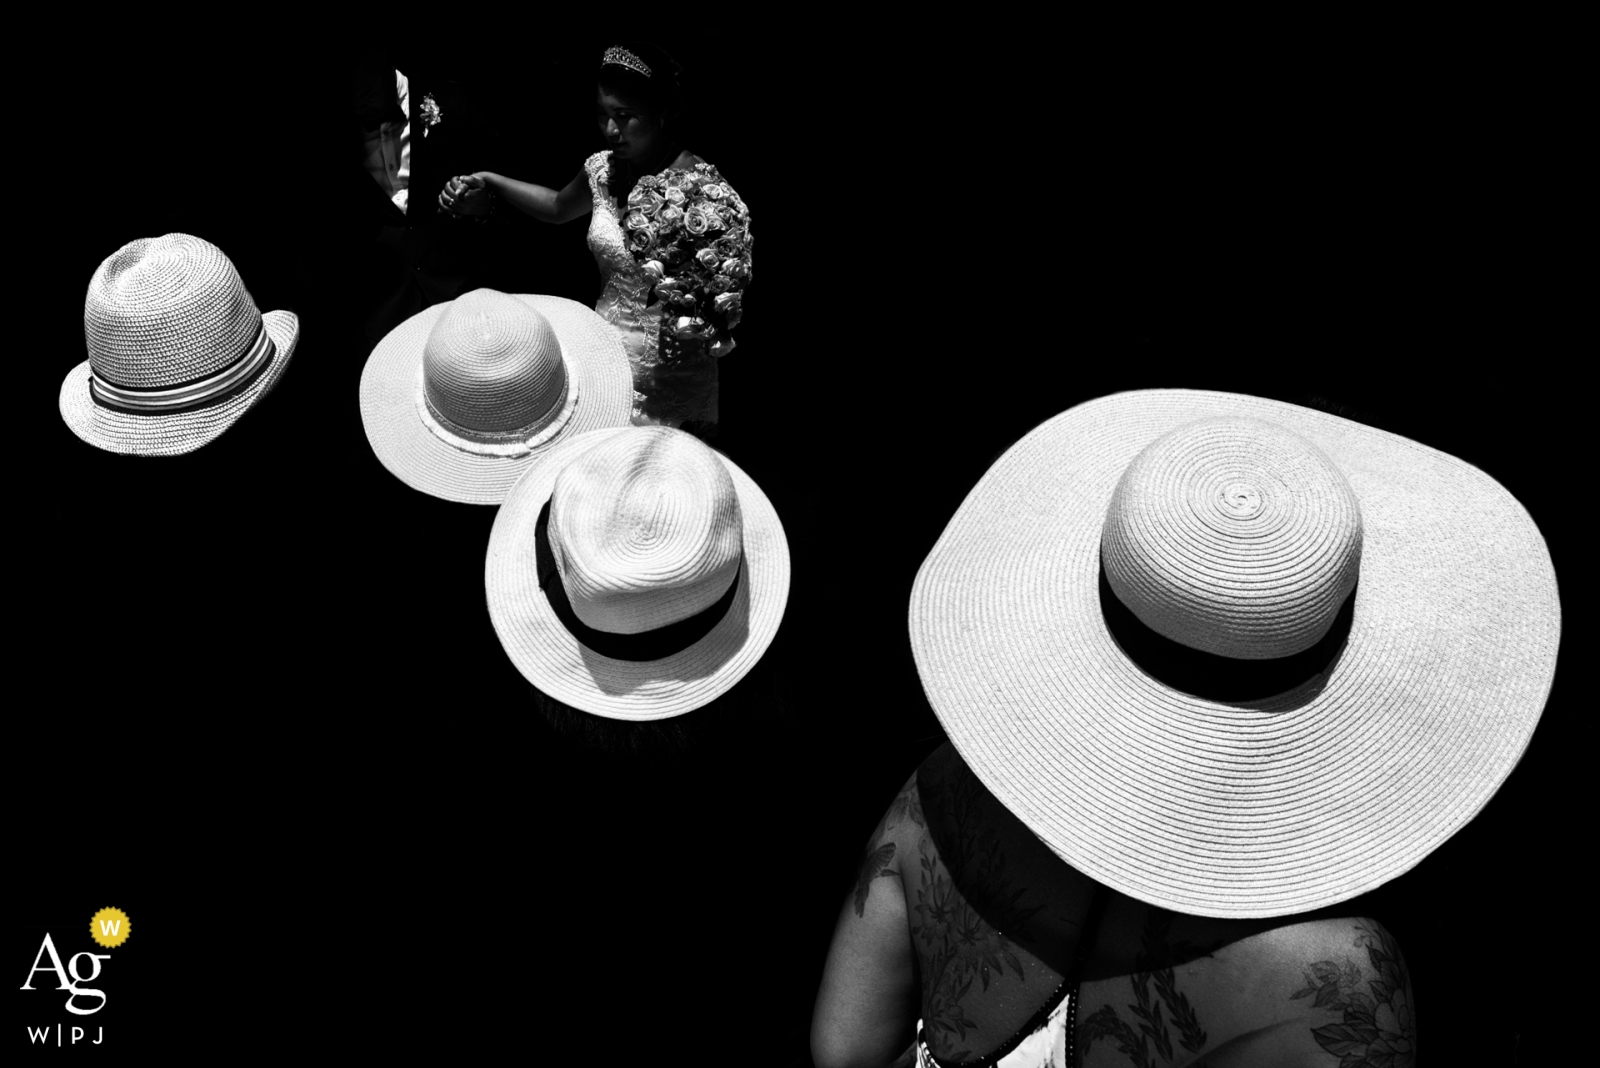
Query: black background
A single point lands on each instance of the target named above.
(262, 706)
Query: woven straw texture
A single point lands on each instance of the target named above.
(1234, 537)
(162, 312)
(490, 363)
(648, 526)
(1237, 809)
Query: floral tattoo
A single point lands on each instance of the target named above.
(1375, 1027)
(960, 947)
(1149, 1035)
(878, 861)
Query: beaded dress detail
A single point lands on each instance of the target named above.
(668, 393)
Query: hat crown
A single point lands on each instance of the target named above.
(167, 311)
(1233, 536)
(646, 530)
(492, 363)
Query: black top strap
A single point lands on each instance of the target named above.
(1091, 931)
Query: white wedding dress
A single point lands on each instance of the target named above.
(668, 393)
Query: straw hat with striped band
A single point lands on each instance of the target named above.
(461, 398)
(178, 350)
(636, 573)
(1079, 621)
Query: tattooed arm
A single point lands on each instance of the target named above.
(866, 1010)
(1318, 994)
(1349, 1006)
(1361, 1002)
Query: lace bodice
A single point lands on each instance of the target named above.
(606, 238)
(624, 289)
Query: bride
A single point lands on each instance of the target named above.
(655, 207)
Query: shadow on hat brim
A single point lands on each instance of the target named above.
(559, 665)
(172, 435)
(416, 456)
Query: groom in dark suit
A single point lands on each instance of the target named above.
(412, 133)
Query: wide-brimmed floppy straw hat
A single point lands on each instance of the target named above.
(461, 398)
(178, 350)
(1401, 603)
(636, 573)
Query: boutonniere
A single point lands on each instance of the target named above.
(430, 113)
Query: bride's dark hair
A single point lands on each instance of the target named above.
(661, 92)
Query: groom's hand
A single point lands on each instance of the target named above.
(466, 195)
(450, 197)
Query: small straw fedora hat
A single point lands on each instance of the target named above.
(461, 398)
(178, 350)
(1400, 604)
(636, 573)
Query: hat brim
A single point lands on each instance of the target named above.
(595, 359)
(552, 659)
(181, 432)
(1238, 809)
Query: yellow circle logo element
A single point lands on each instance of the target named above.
(109, 927)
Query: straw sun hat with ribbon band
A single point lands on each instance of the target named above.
(636, 574)
(461, 398)
(178, 350)
(1233, 657)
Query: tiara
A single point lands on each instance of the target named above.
(621, 57)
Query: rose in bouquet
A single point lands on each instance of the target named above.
(691, 233)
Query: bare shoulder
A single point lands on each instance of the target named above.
(1351, 961)
(1348, 980)
(867, 1001)
(1355, 960)
(1360, 938)
(1322, 991)
(896, 838)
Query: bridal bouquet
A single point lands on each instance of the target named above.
(691, 233)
